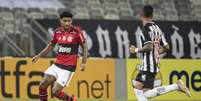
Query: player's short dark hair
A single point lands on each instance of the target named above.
(148, 11)
(66, 14)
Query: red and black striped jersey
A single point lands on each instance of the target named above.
(68, 42)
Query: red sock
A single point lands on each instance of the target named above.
(63, 96)
(43, 94)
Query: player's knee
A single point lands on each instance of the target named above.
(42, 85)
(55, 91)
(138, 85)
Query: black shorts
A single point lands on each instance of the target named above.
(147, 79)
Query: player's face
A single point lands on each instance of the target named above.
(66, 22)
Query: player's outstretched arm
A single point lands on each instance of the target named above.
(50, 46)
(84, 56)
(164, 49)
(146, 48)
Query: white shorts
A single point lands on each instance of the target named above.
(63, 76)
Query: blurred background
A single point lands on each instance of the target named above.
(110, 26)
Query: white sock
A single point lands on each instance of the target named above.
(160, 90)
(140, 95)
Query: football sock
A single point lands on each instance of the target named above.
(160, 90)
(63, 96)
(43, 94)
(140, 95)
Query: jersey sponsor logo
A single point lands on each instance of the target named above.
(64, 49)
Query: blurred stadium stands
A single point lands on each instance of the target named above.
(15, 13)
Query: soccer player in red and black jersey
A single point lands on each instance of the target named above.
(68, 37)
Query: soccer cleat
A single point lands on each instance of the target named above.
(183, 88)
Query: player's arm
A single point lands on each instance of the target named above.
(84, 56)
(164, 49)
(50, 46)
(148, 44)
(164, 45)
(84, 48)
(146, 48)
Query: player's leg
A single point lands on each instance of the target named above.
(48, 79)
(138, 87)
(165, 89)
(57, 92)
(138, 90)
(64, 78)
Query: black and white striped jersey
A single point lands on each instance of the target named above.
(151, 33)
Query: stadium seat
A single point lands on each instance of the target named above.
(111, 13)
(126, 13)
(7, 15)
(35, 13)
(153, 2)
(51, 13)
(186, 17)
(96, 13)
(124, 5)
(81, 13)
(111, 17)
(93, 2)
(9, 28)
(171, 17)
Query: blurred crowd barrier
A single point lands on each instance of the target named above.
(102, 79)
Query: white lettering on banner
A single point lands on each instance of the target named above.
(123, 43)
(177, 43)
(195, 40)
(104, 42)
(137, 36)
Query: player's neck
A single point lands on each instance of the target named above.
(66, 28)
(146, 20)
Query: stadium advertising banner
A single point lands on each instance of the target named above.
(20, 79)
(112, 38)
(188, 70)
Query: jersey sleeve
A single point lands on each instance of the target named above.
(147, 38)
(81, 38)
(163, 40)
(54, 39)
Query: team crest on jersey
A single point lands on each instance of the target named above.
(59, 38)
(70, 39)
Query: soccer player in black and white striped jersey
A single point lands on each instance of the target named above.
(152, 44)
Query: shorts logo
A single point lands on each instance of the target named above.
(143, 77)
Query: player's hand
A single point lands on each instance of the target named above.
(132, 49)
(35, 58)
(82, 67)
